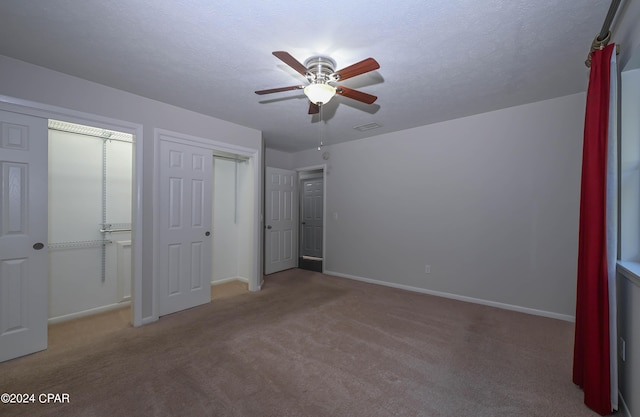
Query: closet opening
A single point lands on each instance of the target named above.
(90, 220)
(232, 222)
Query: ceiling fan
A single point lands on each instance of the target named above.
(319, 71)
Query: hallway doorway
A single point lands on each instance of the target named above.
(311, 230)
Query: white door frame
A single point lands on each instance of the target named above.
(255, 281)
(47, 111)
(323, 167)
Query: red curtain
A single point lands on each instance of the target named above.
(591, 349)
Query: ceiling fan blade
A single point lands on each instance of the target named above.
(291, 61)
(358, 68)
(356, 95)
(277, 90)
(313, 108)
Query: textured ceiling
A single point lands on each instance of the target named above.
(439, 59)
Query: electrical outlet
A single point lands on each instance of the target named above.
(623, 349)
(427, 269)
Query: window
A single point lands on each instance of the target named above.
(630, 171)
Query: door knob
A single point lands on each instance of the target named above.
(207, 233)
(38, 246)
(268, 226)
(304, 222)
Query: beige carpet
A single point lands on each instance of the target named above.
(311, 345)
(66, 335)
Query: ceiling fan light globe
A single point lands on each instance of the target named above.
(319, 93)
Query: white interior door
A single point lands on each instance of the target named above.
(185, 226)
(312, 217)
(23, 235)
(280, 214)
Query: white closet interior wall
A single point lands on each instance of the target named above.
(232, 220)
(90, 180)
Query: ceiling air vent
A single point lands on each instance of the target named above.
(368, 126)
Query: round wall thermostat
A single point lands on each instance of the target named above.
(325, 156)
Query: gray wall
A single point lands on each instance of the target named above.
(278, 159)
(490, 202)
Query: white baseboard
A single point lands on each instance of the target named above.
(225, 280)
(89, 312)
(496, 304)
(148, 320)
(622, 407)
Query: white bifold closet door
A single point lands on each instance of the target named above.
(23, 235)
(186, 200)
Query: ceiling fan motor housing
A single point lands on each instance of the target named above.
(320, 70)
